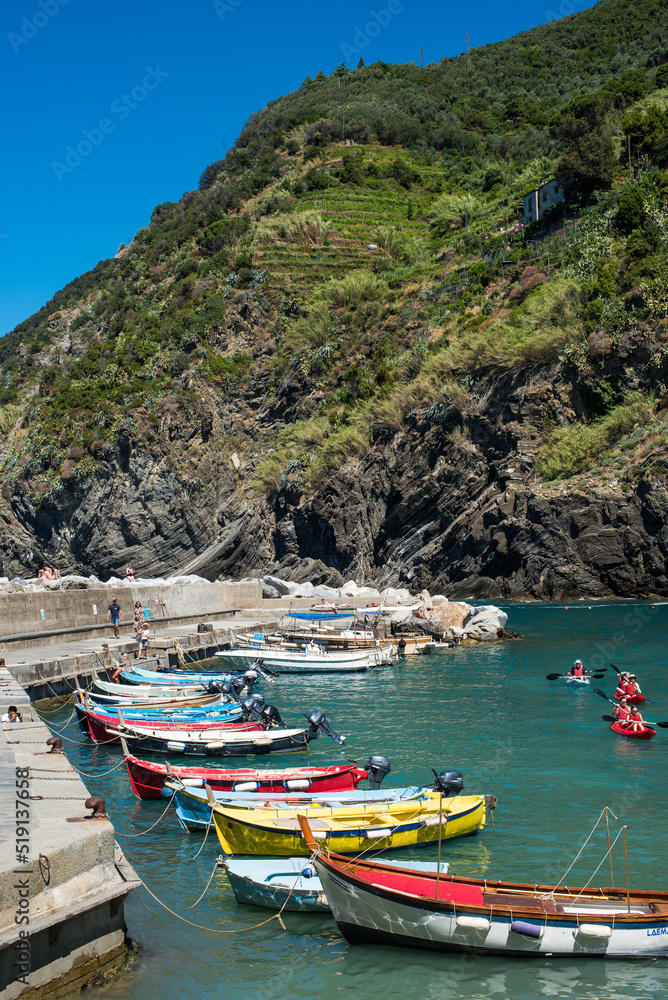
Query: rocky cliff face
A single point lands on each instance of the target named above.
(450, 503)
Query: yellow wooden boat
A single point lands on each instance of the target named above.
(349, 829)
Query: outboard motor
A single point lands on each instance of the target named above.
(252, 706)
(259, 667)
(377, 767)
(216, 687)
(449, 782)
(249, 679)
(318, 723)
(271, 716)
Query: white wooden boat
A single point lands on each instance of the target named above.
(374, 903)
(313, 659)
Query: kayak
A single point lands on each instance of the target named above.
(642, 734)
(577, 680)
(633, 699)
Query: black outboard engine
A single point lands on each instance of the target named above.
(271, 716)
(377, 767)
(249, 679)
(449, 782)
(216, 687)
(318, 723)
(252, 707)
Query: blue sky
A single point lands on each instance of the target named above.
(113, 106)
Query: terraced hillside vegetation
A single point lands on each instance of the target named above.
(343, 354)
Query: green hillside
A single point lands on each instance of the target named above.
(327, 292)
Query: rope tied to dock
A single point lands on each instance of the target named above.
(150, 827)
(216, 930)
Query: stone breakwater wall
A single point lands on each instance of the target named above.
(41, 612)
(63, 879)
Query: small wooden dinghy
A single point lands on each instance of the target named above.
(374, 903)
(148, 777)
(290, 883)
(349, 829)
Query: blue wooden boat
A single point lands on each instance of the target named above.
(291, 883)
(172, 678)
(194, 802)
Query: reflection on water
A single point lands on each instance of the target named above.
(540, 746)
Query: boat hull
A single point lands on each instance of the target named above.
(373, 914)
(643, 734)
(102, 729)
(253, 831)
(577, 681)
(148, 777)
(633, 699)
(213, 743)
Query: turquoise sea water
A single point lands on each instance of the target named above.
(540, 746)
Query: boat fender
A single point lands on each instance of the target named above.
(246, 786)
(449, 783)
(296, 785)
(474, 923)
(529, 930)
(594, 930)
(377, 833)
(193, 782)
(171, 745)
(378, 767)
(401, 645)
(318, 723)
(216, 745)
(308, 871)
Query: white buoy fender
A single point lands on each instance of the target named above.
(474, 923)
(594, 930)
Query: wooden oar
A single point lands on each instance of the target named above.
(611, 718)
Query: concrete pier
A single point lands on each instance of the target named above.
(63, 880)
(60, 869)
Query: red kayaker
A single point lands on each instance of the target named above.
(635, 720)
(621, 711)
(632, 686)
(577, 670)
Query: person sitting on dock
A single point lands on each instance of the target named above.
(115, 614)
(45, 573)
(635, 720)
(621, 711)
(577, 670)
(12, 715)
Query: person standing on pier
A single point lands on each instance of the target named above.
(115, 614)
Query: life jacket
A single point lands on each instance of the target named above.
(621, 713)
(578, 671)
(636, 718)
(629, 688)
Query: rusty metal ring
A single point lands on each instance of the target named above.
(44, 868)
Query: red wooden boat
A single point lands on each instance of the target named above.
(105, 729)
(148, 777)
(633, 699)
(641, 734)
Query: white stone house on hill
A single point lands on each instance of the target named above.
(540, 199)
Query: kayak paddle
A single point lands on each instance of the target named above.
(611, 718)
(553, 677)
(603, 695)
